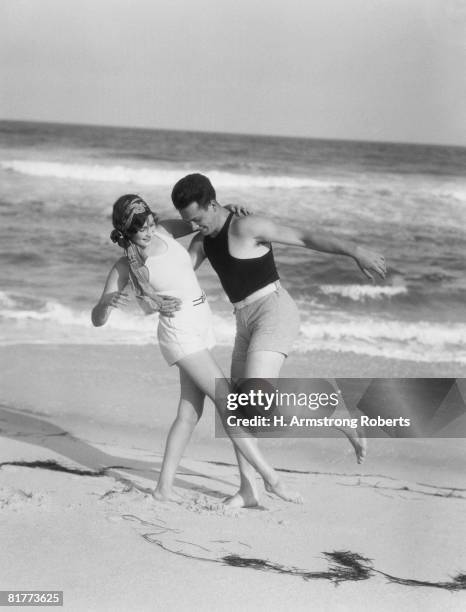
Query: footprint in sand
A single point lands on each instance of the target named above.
(17, 499)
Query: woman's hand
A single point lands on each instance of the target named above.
(238, 210)
(113, 295)
(101, 311)
(116, 299)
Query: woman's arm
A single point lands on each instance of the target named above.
(176, 227)
(112, 295)
(179, 228)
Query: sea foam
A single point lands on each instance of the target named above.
(363, 292)
(53, 322)
(419, 341)
(154, 175)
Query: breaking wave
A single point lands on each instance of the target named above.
(28, 320)
(154, 175)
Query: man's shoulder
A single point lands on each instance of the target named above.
(247, 225)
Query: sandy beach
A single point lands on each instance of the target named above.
(83, 429)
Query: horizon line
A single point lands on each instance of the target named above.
(227, 133)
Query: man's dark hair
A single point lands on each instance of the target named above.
(193, 188)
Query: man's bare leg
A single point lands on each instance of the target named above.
(268, 364)
(203, 370)
(190, 409)
(358, 441)
(357, 436)
(259, 364)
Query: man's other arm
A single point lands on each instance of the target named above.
(266, 230)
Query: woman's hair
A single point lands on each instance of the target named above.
(129, 215)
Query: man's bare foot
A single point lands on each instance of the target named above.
(279, 489)
(245, 497)
(166, 495)
(239, 500)
(358, 441)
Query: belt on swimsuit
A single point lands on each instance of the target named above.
(199, 300)
(260, 293)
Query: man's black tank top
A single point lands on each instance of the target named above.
(239, 277)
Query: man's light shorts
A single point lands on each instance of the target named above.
(188, 332)
(269, 324)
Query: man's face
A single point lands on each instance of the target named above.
(201, 219)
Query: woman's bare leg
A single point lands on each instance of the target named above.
(190, 409)
(204, 370)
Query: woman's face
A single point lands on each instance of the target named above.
(143, 236)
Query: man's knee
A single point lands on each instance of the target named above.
(264, 364)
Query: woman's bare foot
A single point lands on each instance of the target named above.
(278, 488)
(166, 495)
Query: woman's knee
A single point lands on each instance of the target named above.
(189, 417)
(203, 371)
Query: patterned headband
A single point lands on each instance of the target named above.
(134, 207)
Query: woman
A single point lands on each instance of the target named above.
(161, 273)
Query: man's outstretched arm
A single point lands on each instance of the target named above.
(266, 230)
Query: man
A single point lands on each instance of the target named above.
(267, 321)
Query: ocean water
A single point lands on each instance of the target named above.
(58, 184)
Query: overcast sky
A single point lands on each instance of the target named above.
(355, 69)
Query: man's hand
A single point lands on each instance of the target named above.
(370, 263)
(238, 210)
(168, 305)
